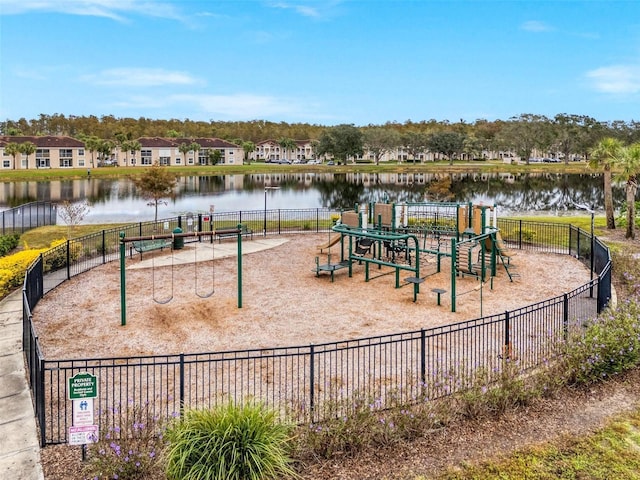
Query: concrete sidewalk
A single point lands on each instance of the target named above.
(19, 447)
(205, 251)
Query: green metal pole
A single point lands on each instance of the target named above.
(453, 274)
(123, 283)
(239, 265)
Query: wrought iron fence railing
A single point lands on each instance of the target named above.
(28, 216)
(306, 383)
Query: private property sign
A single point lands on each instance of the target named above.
(83, 385)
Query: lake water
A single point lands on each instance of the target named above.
(118, 201)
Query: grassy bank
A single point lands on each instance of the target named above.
(261, 168)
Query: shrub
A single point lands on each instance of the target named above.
(609, 345)
(232, 442)
(8, 243)
(56, 258)
(13, 268)
(129, 445)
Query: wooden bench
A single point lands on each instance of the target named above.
(233, 232)
(141, 246)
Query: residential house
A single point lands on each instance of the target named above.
(167, 152)
(51, 152)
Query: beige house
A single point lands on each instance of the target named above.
(271, 151)
(50, 152)
(167, 151)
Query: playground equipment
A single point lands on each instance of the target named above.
(177, 242)
(407, 237)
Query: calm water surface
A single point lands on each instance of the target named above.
(118, 200)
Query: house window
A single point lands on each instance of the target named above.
(81, 152)
(6, 164)
(190, 161)
(165, 161)
(178, 161)
(81, 162)
(66, 162)
(66, 153)
(145, 157)
(42, 158)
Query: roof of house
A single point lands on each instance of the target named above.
(47, 141)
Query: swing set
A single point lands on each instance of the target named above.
(177, 242)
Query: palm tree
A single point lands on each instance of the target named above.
(134, 146)
(12, 149)
(629, 163)
(602, 157)
(92, 144)
(183, 148)
(248, 148)
(27, 148)
(287, 144)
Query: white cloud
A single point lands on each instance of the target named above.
(140, 77)
(309, 8)
(535, 26)
(235, 106)
(616, 79)
(114, 9)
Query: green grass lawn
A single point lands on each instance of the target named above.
(612, 453)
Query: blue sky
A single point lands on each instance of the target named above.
(320, 61)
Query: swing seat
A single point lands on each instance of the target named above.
(150, 245)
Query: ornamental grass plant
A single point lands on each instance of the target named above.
(230, 442)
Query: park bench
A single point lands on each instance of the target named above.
(233, 232)
(141, 246)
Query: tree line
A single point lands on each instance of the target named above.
(564, 136)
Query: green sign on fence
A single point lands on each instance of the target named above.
(83, 385)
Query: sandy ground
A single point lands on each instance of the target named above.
(284, 303)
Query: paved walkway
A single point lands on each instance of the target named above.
(205, 251)
(19, 447)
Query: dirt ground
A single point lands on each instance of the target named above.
(284, 303)
(573, 412)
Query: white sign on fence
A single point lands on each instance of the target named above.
(82, 412)
(83, 434)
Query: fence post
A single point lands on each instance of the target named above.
(68, 259)
(312, 381)
(279, 223)
(40, 403)
(104, 248)
(507, 337)
(565, 316)
(520, 235)
(423, 357)
(181, 382)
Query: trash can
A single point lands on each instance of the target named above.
(178, 242)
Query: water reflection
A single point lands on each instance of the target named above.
(117, 199)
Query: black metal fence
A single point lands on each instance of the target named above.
(307, 383)
(28, 216)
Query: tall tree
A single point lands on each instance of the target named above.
(447, 143)
(12, 149)
(28, 148)
(602, 158)
(342, 141)
(525, 133)
(156, 184)
(628, 161)
(415, 142)
(380, 141)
